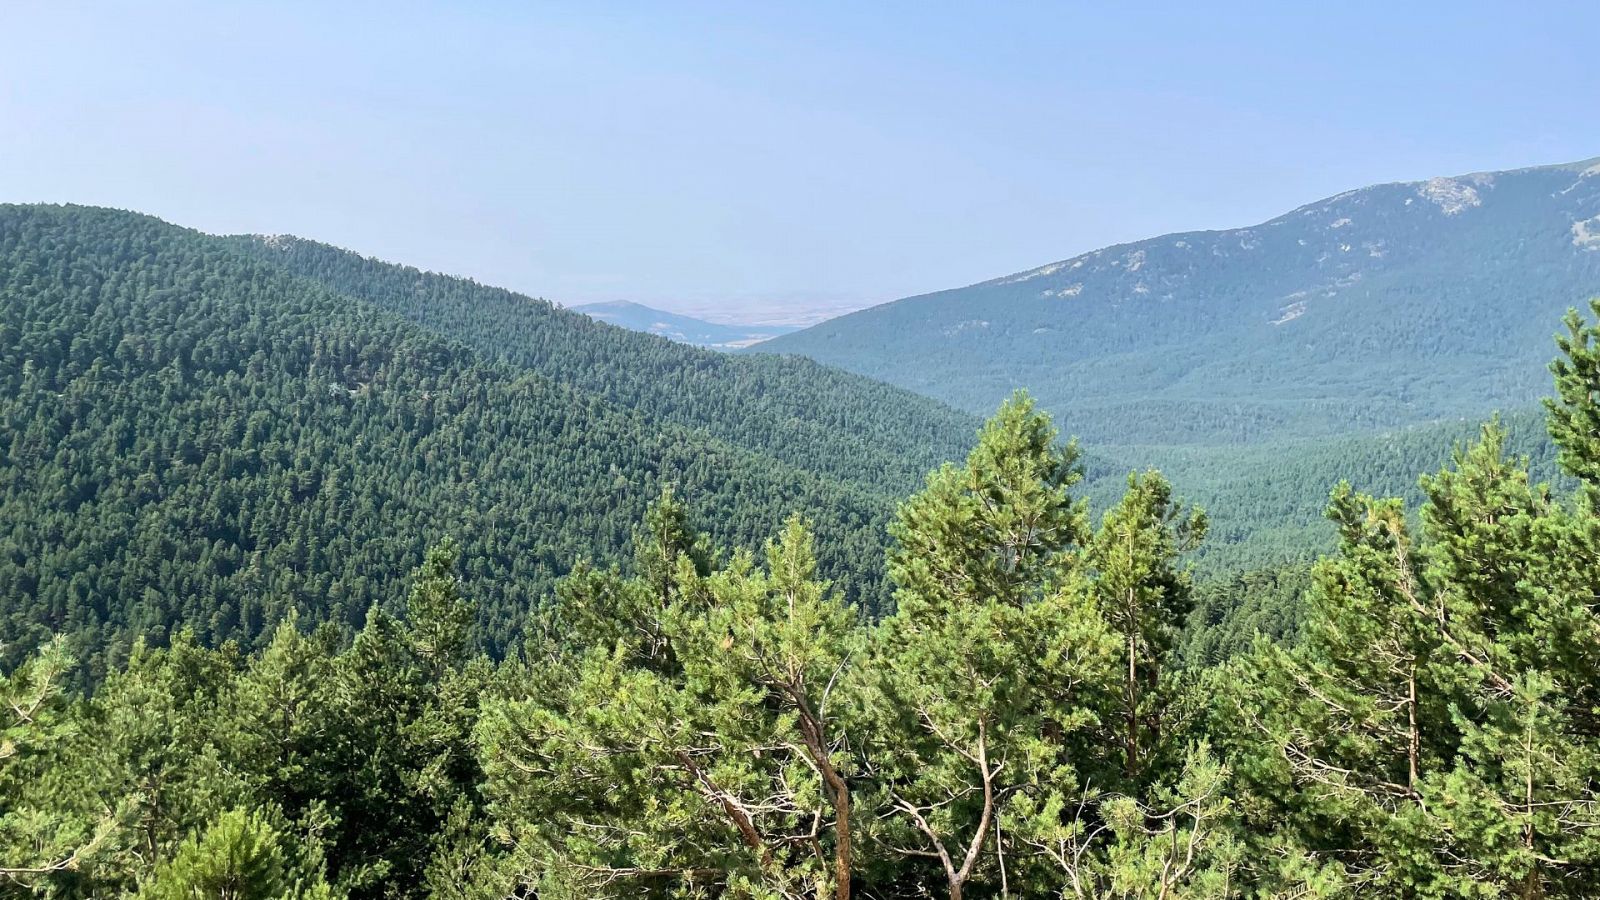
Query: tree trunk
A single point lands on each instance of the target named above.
(1414, 739)
(1132, 762)
(811, 730)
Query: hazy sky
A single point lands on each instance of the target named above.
(746, 156)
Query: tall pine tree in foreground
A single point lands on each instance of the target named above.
(681, 733)
(983, 680)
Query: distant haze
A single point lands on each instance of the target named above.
(759, 162)
(732, 334)
(798, 310)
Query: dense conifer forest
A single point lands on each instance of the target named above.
(189, 435)
(821, 419)
(328, 578)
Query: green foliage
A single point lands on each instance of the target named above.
(239, 857)
(193, 770)
(806, 416)
(438, 615)
(1051, 708)
(30, 695)
(1026, 721)
(984, 684)
(40, 836)
(1574, 414)
(1230, 614)
(693, 747)
(738, 730)
(1434, 733)
(189, 435)
(996, 529)
(1267, 503)
(1145, 599)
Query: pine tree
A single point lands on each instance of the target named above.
(984, 676)
(437, 615)
(727, 769)
(41, 836)
(1148, 814)
(1435, 733)
(1574, 413)
(239, 857)
(1000, 529)
(664, 543)
(1145, 597)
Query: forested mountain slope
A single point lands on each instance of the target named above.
(812, 416)
(192, 437)
(1379, 308)
(1268, 502)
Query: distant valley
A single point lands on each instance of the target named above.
(681, 328)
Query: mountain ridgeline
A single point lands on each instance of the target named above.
(1379, 308)
(810, 415)
(195, 436)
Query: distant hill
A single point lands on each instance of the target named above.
(684, 329)
(818, 418)
(1380, 308)
(212, 433)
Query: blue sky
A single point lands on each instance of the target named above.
(747, 157)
